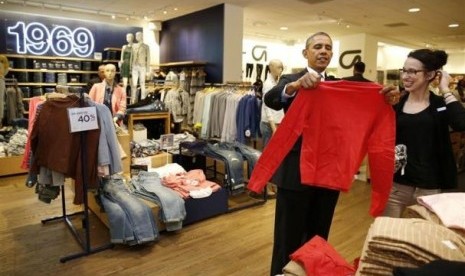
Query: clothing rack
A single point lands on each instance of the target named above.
(84, 243)
(11, 82)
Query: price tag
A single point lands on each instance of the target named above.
(82, 118)
(166, 141)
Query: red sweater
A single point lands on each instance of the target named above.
(318, 257)
(340, 122)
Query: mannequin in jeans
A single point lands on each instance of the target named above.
(140, 63)
(125, 62)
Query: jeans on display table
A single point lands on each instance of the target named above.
(195, 155)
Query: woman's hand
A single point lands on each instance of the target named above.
(391, 94)
(444, 81)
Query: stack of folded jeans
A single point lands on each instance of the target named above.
(148, 185)
(248, 153)
(151, 106)
(233, 161)
(131, 221)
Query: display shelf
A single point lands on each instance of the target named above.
(36, 75)
(51, 71)
(50, 57)
(27, 69)
(10, 165)
(182, 63)
(148, 116)
(112, 55)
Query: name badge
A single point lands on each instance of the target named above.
(439, 109)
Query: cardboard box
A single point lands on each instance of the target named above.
(123, 140)
(139, 135)
(155, 161)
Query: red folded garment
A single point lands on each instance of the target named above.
(319, 258)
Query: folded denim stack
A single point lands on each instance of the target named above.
(149, 106)
(131, 221)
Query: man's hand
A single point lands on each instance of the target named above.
(309, 80)
(391, 94)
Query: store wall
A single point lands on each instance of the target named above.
(388, 57)
(261, 51)
(355, 48)
(393, 57)
(196, 37)
(456, 63)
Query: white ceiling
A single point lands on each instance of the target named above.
(388, 19)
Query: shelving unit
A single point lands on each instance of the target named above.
(30, 72)
(113, 56)
(165, 116)
(187, 63)
(25, 69)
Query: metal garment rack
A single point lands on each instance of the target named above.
(84, 243)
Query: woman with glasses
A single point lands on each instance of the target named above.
(423, 121)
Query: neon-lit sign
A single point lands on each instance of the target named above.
(36, 39)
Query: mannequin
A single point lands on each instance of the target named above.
(4, 66)
(140, 63)
(125, 62)
(109, 93)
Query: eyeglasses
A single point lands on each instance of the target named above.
(410, 72)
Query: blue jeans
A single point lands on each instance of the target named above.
(250, 154)
(155, 106)
(173, 209)
(120, 229)
(266, 131)
(137, 213)
(233, 162)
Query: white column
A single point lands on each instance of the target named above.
(233, 35)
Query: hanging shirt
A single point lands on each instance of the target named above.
(108, 95)
(340, 122)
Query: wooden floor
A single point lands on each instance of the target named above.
(237, 243)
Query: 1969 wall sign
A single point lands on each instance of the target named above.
(37, 39)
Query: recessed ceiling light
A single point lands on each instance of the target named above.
(283, 28)
(414, 10)
(454, 25)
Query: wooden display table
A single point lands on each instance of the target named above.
(11, 165)
(148, 116)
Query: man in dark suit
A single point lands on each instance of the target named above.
(359, 69)
(302, 211)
